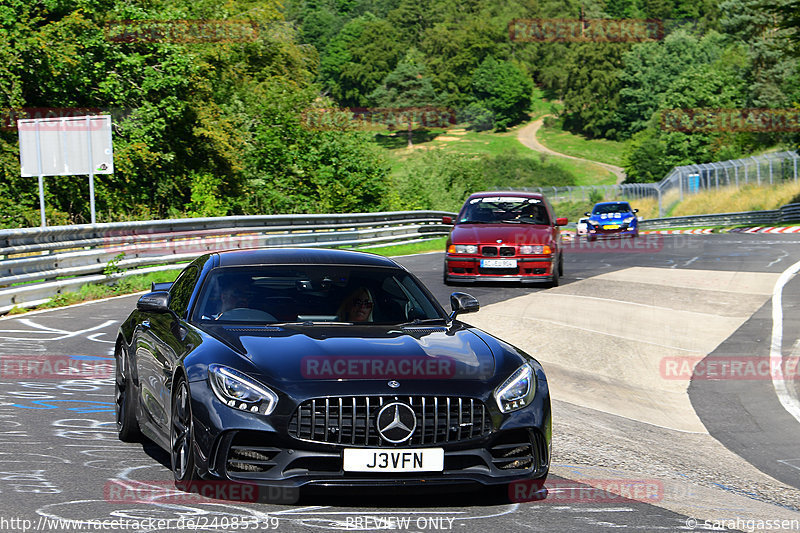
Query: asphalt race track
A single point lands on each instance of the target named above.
(634, 446)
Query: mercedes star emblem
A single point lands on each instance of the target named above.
(396, 422)
(394, 384)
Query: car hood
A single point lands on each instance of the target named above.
(303, 353)
(507, 233)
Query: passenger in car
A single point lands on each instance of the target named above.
(357, 307)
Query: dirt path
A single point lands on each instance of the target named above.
(527, 136)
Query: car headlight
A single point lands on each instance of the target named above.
(534, 249)
(463, 249)
(595, 223)
(517, 391)
(238, 391)
(629, 220)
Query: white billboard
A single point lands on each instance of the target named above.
(65, 146)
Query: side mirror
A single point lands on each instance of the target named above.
(588, 214)
(561, 221)
(447, 220)
(154, 302)
(462, 302)
(162, 286)
(635, 210)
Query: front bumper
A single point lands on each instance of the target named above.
(508, 456)
(264, 451)
(623, 229)
(468, 269)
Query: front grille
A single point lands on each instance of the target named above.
(502, 251)
(351, 420)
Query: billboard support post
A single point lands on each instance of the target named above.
(91, 169)
(41, 176)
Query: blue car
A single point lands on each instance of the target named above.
(612, 218)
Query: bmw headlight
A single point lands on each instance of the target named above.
(534, 249)
(517, 391)
(463, 249)
(238, 391)
(629, 220)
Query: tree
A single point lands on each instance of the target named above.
(358, 59)
(407, 86)
(649, 70)
(503, 89)
(593, 85)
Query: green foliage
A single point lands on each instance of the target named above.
(408, 85)
(113, 265)
(504, 90)
(651, 68)
(442, 180)
(206, 200)
(592, 94)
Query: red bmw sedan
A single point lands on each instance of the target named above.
(505, 236)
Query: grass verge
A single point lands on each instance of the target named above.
(559, 140)
(90, 291)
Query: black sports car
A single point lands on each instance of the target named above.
(305, 367)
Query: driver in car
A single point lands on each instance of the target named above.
(234, 294)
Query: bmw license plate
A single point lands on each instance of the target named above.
(498, 263)
(611, 226)
(409, 460)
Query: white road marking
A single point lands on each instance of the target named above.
(775, 352)
(61, 333)
(778, 260)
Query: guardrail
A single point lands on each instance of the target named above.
(786, 214)
(37, 259)
(38, 263)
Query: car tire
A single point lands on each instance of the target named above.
(181, 437)
(125, 399)
(591, 238)
(634, 234)
(554, 282)
(561, 264)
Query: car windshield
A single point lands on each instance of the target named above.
(504, 209)
(309, 294)
(611, 208)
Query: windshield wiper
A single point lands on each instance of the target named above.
(308, 323)
(417, 322)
